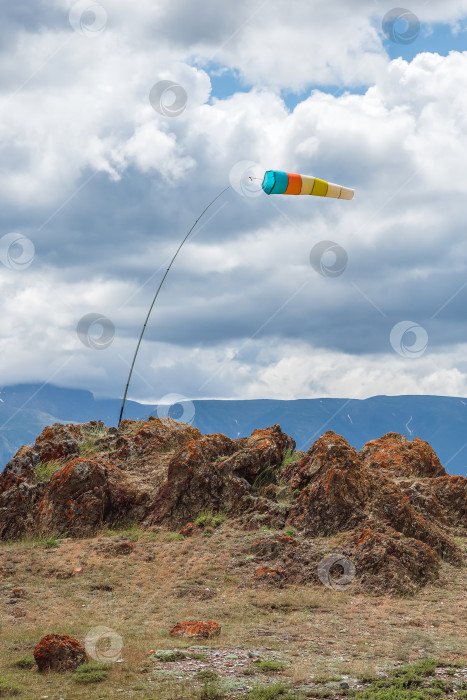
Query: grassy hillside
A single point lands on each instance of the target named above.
(304, 641)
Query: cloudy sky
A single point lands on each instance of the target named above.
(104, 167)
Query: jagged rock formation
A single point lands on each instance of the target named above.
(393, 508)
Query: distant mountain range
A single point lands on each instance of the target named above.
(25, 409)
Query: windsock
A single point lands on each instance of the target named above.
(279, 182)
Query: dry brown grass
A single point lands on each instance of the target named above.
(315, 630)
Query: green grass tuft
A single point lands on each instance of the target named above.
(269, 666)
(94, 431)
(7, 689)
(326, 679)
(274, 691)
(174, 537)
(210, 691)
(24, 663)
(43, 471)
(266, 477)
(47, 541)
(88, 447)
(409, 682)
(209, 519)
(207, 675)
(291, 456)
(91, 672)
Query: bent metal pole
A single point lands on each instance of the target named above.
(157, 294)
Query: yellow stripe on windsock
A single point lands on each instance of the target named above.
(321, 188)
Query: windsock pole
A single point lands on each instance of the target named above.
(157, 294)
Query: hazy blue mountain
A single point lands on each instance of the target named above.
(442, 421)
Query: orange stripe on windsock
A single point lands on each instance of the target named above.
(295, 184)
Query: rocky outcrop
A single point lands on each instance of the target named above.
(216, 473)
(259, 457)
(154, 437)
(19, 469)
(443, 499)
(340, 492)
(17, 506)
(56, 443)
(388, 562)
(59, 442)
(393, 505)
(335, 487)
(399, 457)
(83, 495)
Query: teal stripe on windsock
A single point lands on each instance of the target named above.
(275, 182)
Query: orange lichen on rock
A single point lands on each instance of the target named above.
(84, 494)
(395, 454)
(190, 529)
(217, 473)
(335, 487)
(59, 652)
(202, 630)
(267, 575)
(388, 562)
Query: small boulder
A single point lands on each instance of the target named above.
(190, 529)
(59, 652)
(203, 630)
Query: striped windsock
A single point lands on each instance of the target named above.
(279, 182)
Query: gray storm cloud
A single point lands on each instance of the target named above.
(104, 187)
